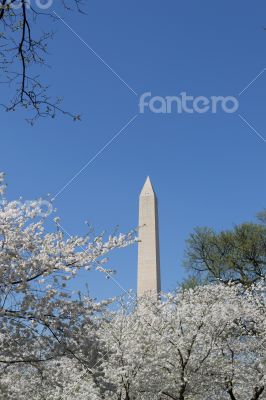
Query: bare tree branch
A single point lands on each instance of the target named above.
(23, 49)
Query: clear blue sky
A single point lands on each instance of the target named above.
(206, 169)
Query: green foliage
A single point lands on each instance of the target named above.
(237, 255)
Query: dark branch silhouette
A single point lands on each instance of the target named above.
(23, 49)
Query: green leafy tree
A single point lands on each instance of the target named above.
(237, 255)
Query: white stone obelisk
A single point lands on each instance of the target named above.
(148, 247)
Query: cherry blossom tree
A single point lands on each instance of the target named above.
(40, 318)
(201, 344)
(62, 379)
(206, 343)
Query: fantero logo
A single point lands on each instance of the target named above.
(184, 103)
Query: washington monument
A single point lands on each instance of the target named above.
(148, 247)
